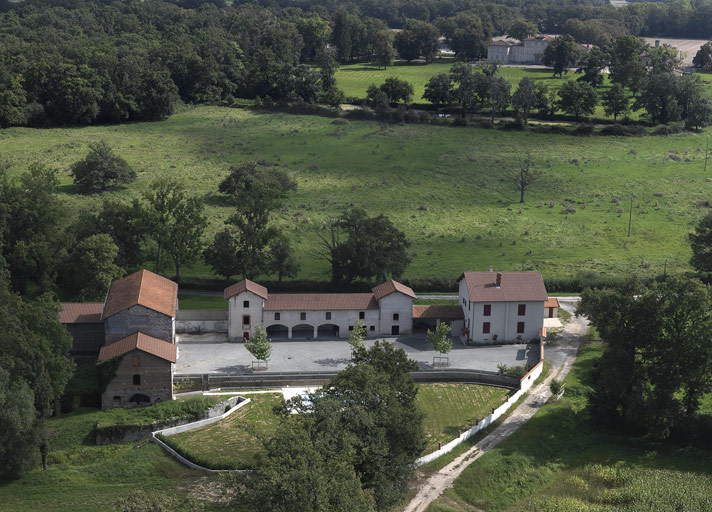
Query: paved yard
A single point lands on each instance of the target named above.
(211, 354)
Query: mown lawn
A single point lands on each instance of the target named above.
(234, 442)
(557, 462)
(449, 189)
(450, 408)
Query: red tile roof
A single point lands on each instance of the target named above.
(385, 289)
(144, 288)
(448, 312)
(81, 312)
(139, 341)
(245, 285)
(515, 286)
(551, 302)
(320, 302)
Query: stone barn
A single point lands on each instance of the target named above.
(144, 375)
(139, 322)
(142, 302)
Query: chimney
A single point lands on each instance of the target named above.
(499, 280)
(491, 268)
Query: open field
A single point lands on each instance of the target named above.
(450, 189)
(198, 301)
(557, 462)
(233, 443)
(86, 477)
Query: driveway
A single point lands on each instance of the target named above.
(212, 354)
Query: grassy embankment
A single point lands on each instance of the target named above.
(449, 189)
(558, 462)
(233, 442)
(86, 477)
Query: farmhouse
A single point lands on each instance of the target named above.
(387, 310)
(502, 306)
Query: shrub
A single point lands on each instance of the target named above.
(101, 169)
(555, 387)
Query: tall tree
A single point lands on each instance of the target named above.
(281, 255)
(530, 95)
(701, 245)
(126, 224)
(657, 361)
(34, 241)
(616, 101)
(561, 53)
(397, 90)
(186, 240)
(525, 176)
(361, 247)
(521, 29)
(467, 35)
(91, 268)
(624, 55)
(383, 51)
(499, 95)
(703, 57)
(164, 198)
(577, 98)
(439, 89)
(101, 169)
(659, 99)
(12, 100)
(591, 65)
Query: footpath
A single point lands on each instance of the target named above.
(433, 487)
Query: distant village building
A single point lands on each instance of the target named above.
(502, 307)
(387, 310)
(512, 51)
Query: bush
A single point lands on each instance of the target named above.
(668, 129)
(101, 169)
(555, 387)
(584, 129)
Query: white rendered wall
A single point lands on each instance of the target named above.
(400, 304)
(503, 321)
(343, 319)
(237, 311)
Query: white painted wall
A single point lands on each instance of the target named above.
(503, 321)
(400, 304)
(237, 310)
(341, 318)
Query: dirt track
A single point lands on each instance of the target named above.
(437, 483)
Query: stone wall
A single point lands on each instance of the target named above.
(198, 321)
(139, 319)
(155, 376)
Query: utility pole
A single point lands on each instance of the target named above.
(630, 215)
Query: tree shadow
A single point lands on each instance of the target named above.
(332, 363)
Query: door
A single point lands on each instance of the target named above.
(246, 335)
(395, 330)
(551, 312)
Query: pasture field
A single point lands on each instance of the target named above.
(234, 442)
(557, 462)
(449, 189)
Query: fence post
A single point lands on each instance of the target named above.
(206, 382)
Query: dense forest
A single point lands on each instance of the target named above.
(80, 61)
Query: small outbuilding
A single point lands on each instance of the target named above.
(84, 323)
(551, 307)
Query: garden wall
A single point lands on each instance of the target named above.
(197, 321)
(115, 434)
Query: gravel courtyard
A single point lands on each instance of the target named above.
(212, 354)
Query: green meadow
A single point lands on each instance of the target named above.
(557, 462)
(449, 189)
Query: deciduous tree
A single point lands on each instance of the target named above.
(526, 175)
(577, 98)
(521, 29)
(561, 53)
(530, 95)
(439, 89)
(440, 338)
(259, 346)
(91, 268)
(616, 101)
(101, 169)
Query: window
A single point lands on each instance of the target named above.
(520, 327)
(245, 303)
(276, 316)
(328, 315)
(351, 327)
(302, 316)
(136, 380)
(373, 327)
(485, 328)
(246, 320)
(488, 310)
(522, 310)
(396, 316)
(361, 315)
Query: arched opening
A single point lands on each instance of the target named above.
(328, 331)
(303, 332)
(140, 399)
(277, 331)
(421, 325)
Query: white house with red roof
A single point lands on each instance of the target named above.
(502, 307)
(387, 310)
